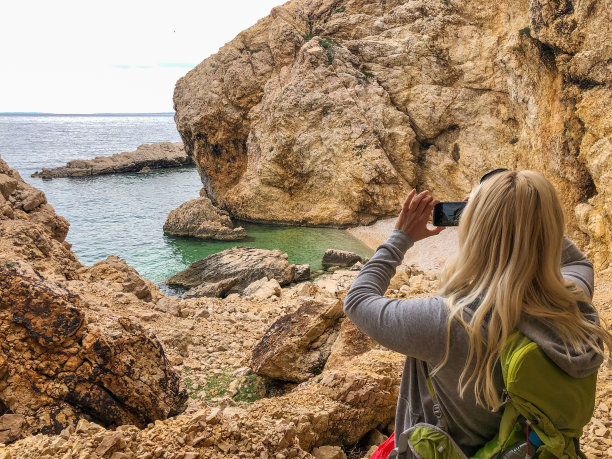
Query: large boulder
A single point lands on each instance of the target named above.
(145, 157)
(122, 277)
(248, 264)
(211, 290)
(296, 347)
(341, 258)
(55, 368)
(329, 112)
(340, 406)
(199, 218)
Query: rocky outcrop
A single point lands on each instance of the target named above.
(122, 277)
(147, 156)
(55, 368)
(340, 258)
(199, 218)
(328, 112)
(263, 288)
(30, 230)
(212, 290)
(246, 263)
(296, 347)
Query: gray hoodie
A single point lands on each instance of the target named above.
(417, 328)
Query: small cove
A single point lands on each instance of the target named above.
(124, 214)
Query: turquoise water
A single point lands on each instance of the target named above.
(124, 214)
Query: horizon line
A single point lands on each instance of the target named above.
(87, 114)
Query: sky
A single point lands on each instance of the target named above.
(93, 56)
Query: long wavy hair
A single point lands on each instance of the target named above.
(508, 264)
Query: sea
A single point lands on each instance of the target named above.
(123, 214)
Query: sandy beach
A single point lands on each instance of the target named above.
(428, 254)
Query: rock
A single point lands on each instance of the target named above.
(64, 368)
(151, 156)
(169, 305)
(350, 343)
(371, 451)
(302, 273)
(336, 282)
(263, 288)
(296, 346)
(7, 185)
(214, 290)
(10, 427)
(357, 266)
(200, 218)
(328, 452)
(339, 258)
(32, 200)
(145, 170)
(340, 406)
(375, 437)
(246, 263)
(30, 229)
(322, 109)
(114, 269)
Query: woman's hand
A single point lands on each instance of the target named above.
(415, 214)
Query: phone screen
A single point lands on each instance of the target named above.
(447, 213)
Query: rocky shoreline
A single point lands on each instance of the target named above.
(279, 375)
(144, 159)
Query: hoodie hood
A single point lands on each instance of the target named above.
(576, 364)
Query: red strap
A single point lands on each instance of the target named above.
(385, 449)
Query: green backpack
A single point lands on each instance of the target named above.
(544, 404)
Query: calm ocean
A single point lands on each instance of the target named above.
(123, 214)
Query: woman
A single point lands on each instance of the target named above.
(514, 270)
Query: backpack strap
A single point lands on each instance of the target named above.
(436, 403)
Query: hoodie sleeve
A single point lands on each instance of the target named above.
(576, 267)
(414, 327)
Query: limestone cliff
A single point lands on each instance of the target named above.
(327, 112)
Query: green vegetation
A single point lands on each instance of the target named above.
(525, 31)
(216, 385)
(325, 111)
(340, 9)
(326, 43)
(308, 36)
(10, 264)
(513, 140)
(271, 149)
(250, 390)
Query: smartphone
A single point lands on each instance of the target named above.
(447, 213)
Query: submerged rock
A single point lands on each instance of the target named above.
(341, 258)
(148, 156)
(296, 347)
(246, 263)
(199, 218)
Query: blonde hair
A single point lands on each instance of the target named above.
(508, 264)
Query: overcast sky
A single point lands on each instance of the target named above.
(88, 56)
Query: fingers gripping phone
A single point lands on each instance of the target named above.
(447, 213)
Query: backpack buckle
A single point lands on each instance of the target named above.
(437, 411)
